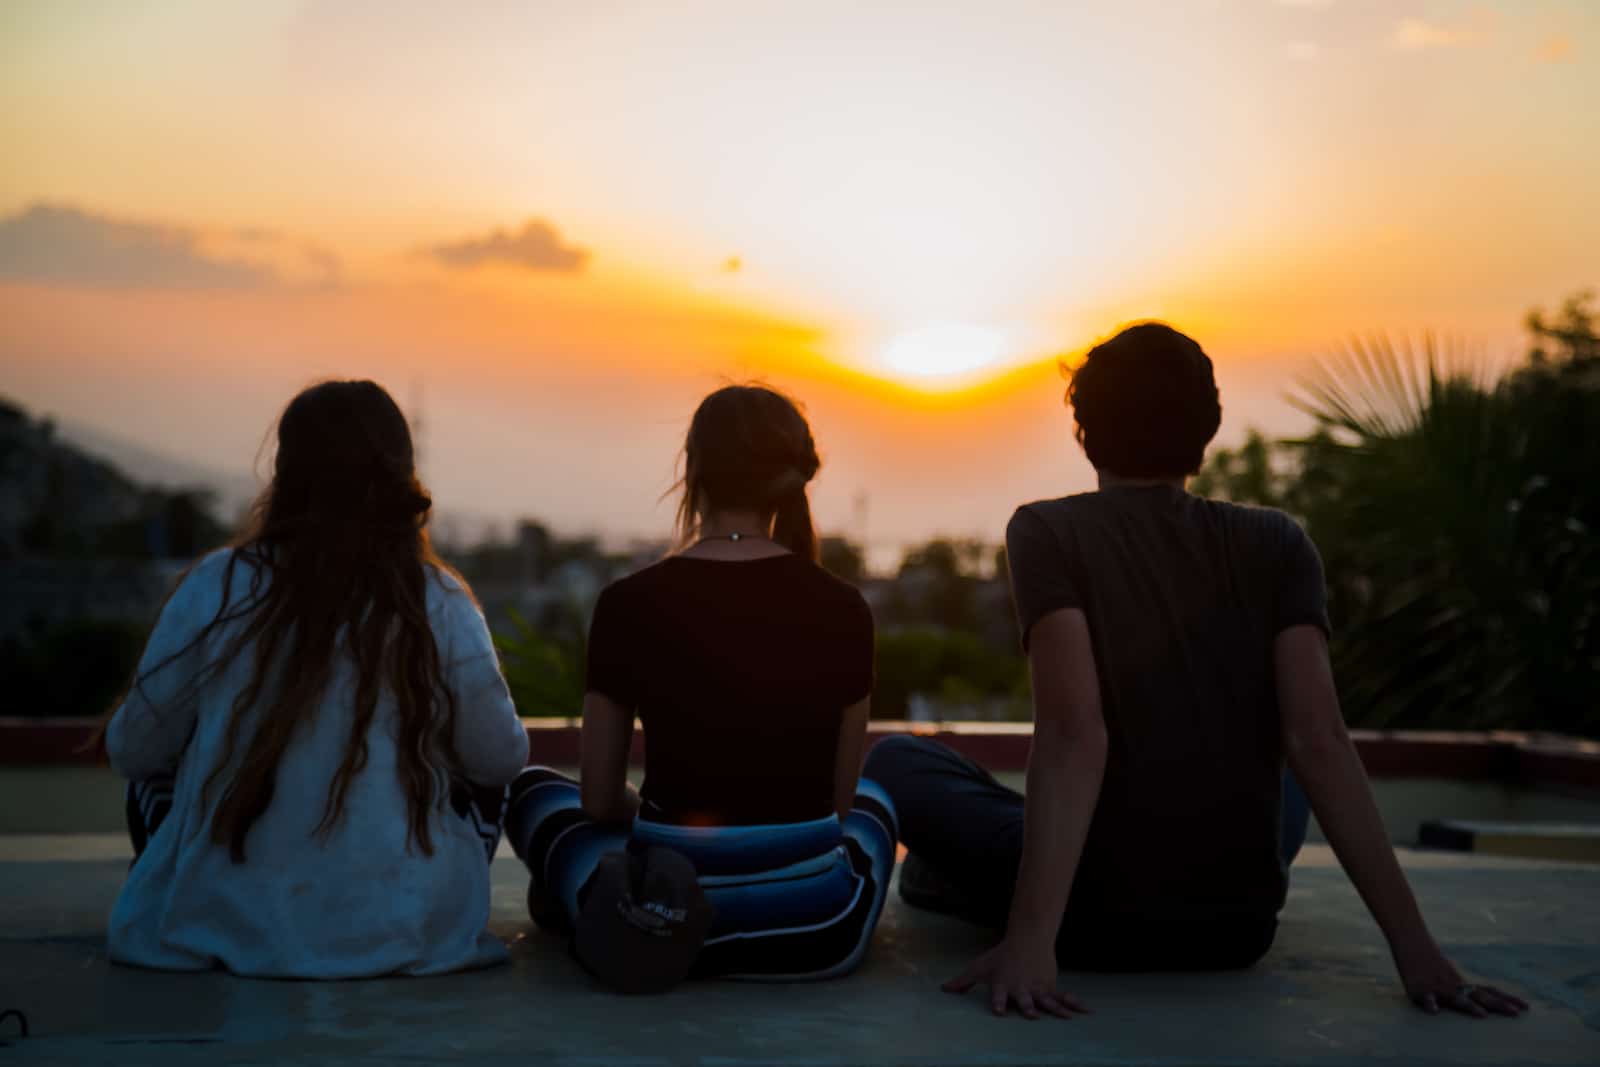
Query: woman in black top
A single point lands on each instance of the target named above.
(750, 669)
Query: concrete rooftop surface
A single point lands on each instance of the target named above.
(1326, 994)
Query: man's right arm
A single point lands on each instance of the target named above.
(1325, 761)
(1066, 763)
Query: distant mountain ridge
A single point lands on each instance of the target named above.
(59, 500)
(234, 490)
(231, 490)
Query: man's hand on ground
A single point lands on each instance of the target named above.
(1433, 984)
(1020, 974)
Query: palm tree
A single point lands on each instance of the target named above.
(1457, 515)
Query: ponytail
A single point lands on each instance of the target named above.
(792, 527)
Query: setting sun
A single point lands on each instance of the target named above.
(802, 194)
(943, 350)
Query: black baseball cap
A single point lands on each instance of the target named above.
(643, 919)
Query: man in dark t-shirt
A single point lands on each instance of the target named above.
(1178, 652)
(1183, 597)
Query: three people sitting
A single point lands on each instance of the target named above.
(318, 738)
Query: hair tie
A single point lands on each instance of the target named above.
(787, 483)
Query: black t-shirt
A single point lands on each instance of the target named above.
(740, 672)
(1184, 597)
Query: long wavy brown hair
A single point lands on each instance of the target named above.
(749, 446)
(338, 556)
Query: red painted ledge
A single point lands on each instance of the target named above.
(1544, 760)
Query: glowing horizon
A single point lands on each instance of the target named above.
(565, 226)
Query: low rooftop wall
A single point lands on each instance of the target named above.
(1532, 760)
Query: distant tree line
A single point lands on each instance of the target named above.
(1457, 515)
(947, 638)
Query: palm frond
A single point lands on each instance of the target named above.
(1375, 388)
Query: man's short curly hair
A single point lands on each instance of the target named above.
(1146, 403)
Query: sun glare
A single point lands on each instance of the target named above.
(943, 350)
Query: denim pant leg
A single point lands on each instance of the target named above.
(1296, 817)
(956, 818)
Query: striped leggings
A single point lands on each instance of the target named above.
(794, 902)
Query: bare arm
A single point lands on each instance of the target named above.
(1325, 761)
(603, 762)
(1066, 764)
(847, 763)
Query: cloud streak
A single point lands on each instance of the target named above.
(537, 246)
(1415, 35)
(62, 245)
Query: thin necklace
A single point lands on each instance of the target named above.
(736, 537)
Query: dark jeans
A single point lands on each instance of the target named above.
(967, 827)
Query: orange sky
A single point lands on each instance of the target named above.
(559, 226)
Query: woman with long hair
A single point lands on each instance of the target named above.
(317, 737)
(750, 669)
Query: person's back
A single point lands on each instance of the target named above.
(309, 746)
(356, 900)
(1183, 597)
(740, 671)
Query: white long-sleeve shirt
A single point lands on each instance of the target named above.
(353, 903)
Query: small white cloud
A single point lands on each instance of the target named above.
(1303, 51)
(1414, 34)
